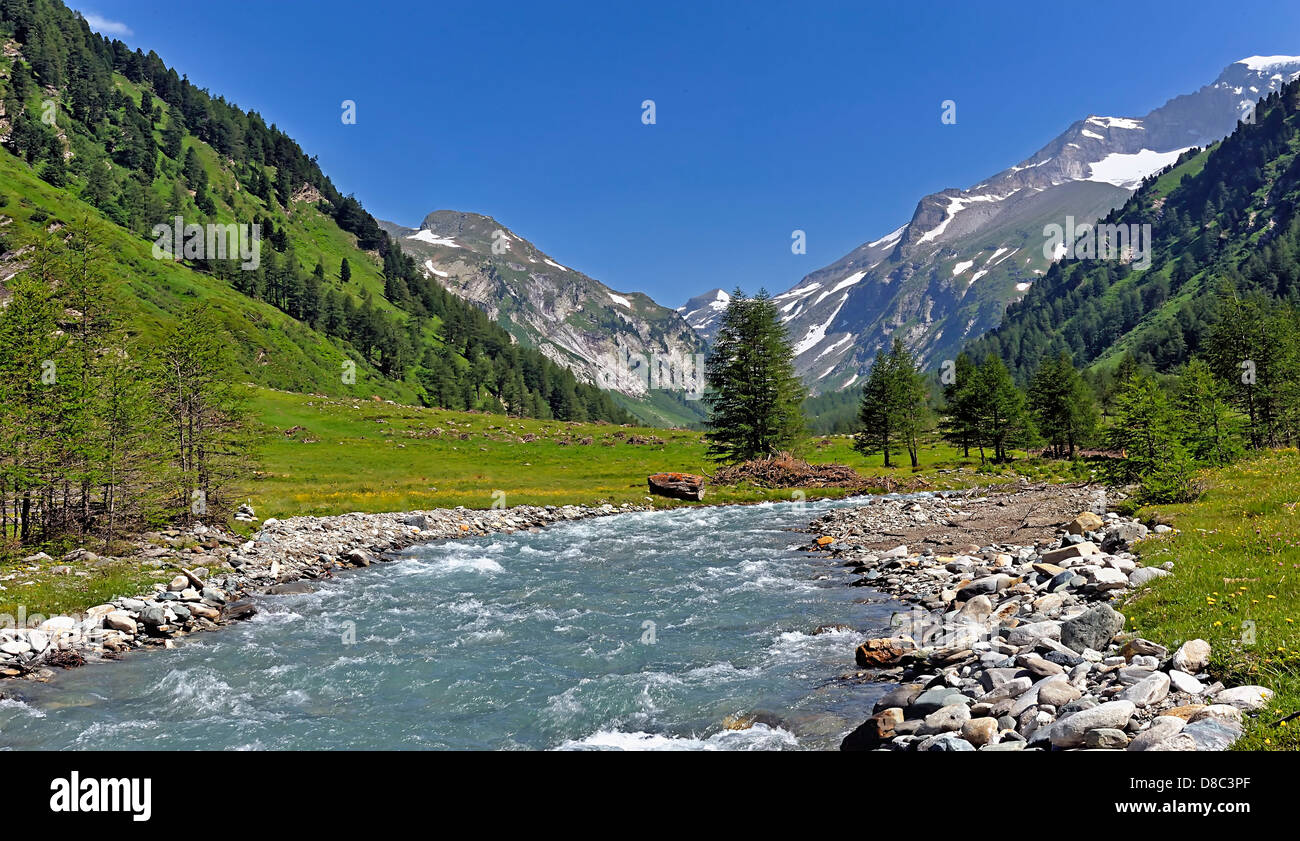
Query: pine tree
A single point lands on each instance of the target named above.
(173, 136)
(1210, 429)
(1146, 432)
(206, 422)
(1002, 417)
(345, 271)
(959, 422)
(894, 410)
(1063, 406)
(1255, 348)
(754, 396)
(195, 175)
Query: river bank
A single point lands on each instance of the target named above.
(211, 576)
(1012, 642)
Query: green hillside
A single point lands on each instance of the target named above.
(94, 130)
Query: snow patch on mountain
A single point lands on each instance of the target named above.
(433, 239)
(1117, 122)
(888, 239)
(817, 333)
(1265, 63)
(843, 284)
(1128, 170)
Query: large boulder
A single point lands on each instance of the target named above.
(980, 731)
(153, 618)
(1013, 688)
(1161, 729)
(899, 696)
(1069, 732)
(1075, 550)
(1085, 522)
(1093, 628)
(120, 620)
(1247, 698)
(1213, 733)
(1122, 535)
(1031, 632)
(1145, 575)
(977, 610)
(873, 732)
(934, 699)
(1192, 656)
(945, 719)
(238, 610)
(883, 652)
(1149, 690)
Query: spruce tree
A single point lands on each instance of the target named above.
(754, 396)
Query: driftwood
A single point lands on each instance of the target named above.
(784, 470)
(677, 485)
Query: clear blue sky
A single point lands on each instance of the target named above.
(771, 117)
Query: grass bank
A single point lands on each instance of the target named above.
(1236, 584)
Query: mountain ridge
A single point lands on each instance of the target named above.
(605, 336)
(947, 275)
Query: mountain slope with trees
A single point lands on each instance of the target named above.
(96, 130)
(1225, 234)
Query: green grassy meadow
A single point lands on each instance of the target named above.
(322, 455)
(1236, 584)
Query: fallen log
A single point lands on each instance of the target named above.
(677, 485)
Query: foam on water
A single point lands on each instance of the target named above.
(758, 737)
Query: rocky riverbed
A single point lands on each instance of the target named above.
(218, 575)
(1012, 641)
